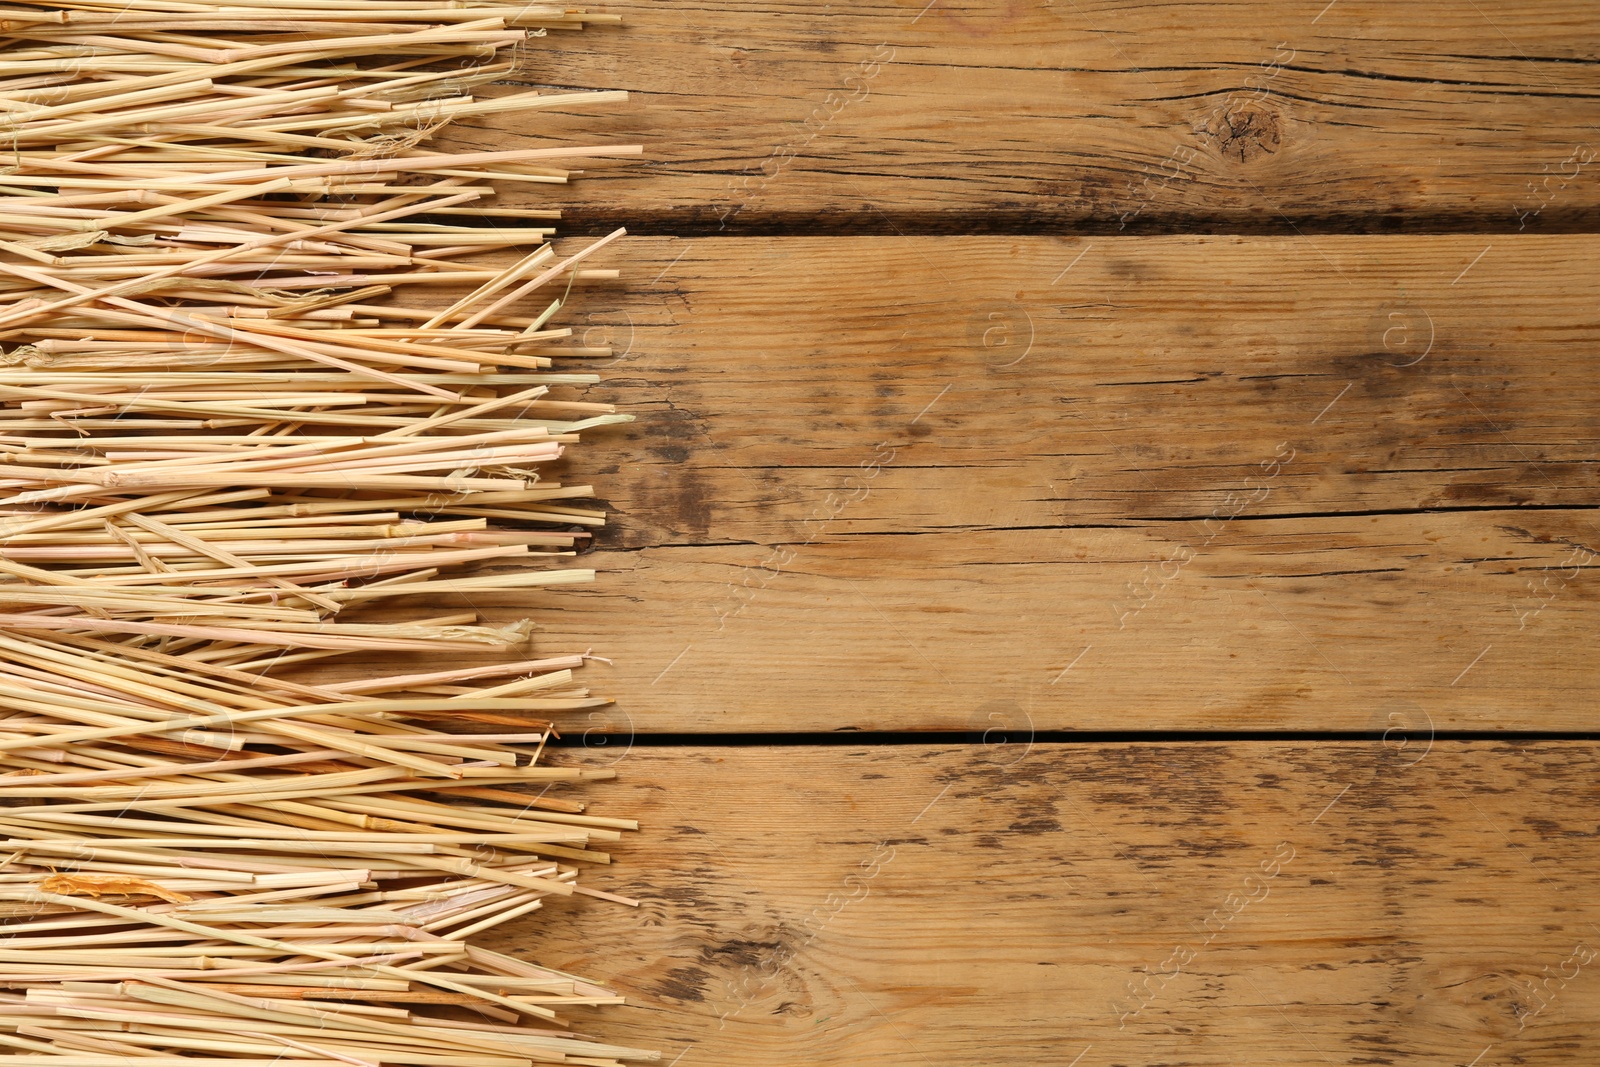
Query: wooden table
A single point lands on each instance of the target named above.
(1186, 415)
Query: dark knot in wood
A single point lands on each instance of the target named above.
(1246, 132)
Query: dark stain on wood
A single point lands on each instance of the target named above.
(683, 984)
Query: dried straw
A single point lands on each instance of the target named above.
(269, 365)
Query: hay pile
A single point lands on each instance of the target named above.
(266, 363)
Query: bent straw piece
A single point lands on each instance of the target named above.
(511, 274)
(529, 286)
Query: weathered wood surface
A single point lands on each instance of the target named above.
(1258, 903)
(1053, 382)
(1013, 114)
(901, 483)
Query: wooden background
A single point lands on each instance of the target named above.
(1007, 368)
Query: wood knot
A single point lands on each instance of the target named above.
(1246, 132)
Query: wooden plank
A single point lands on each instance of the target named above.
(1055, 382)
(1190, 483)
(1301, 624)
(904, 114)
(1254, 903)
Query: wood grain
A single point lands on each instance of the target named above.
(1011, 115)
(1256, 903)
(1192, 483)
(1060, 382)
